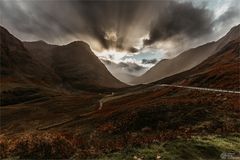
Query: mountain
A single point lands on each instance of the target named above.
(37, 70)
(187, 59)
(18, 66)
(75, 64)
(80, 68)
(220, 70)
(40, 51)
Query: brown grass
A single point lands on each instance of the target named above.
(37, 146)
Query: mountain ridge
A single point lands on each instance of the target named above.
(186, 60)
(33, 62)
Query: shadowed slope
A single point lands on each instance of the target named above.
(17, 64)
(79, 67)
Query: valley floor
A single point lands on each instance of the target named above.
(147, 122)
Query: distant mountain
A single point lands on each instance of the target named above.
(125, 71)
(187, 59)
(220, 70)
(80, 68)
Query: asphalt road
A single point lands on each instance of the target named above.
(200, 88)
(112, 97)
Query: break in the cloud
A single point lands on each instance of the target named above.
(124, 71)
(149, 61)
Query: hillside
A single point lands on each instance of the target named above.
(36, 73)
(18, 66)
(187, 59)
(80, 68)
(220, 70)
(41, 51)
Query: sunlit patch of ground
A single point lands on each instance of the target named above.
(205, 147)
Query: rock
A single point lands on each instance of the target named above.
(158, 157)
(146, 129)
(134, 134)
(218, 94)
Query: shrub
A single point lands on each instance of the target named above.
(38, 146)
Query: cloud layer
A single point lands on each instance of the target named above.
(111, 24)
(180, 19)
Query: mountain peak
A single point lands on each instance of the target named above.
(78, 43)
(40, 41)
(234, 31)
(7, 40)
(2, 29)
(81, 68)
(237, 27)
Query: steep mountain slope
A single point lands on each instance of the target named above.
(221, 70)
(187, 59)
(75, 63)
(40, 51)
(80, 68)
(23, 78)
(39, 73)
(17, 64)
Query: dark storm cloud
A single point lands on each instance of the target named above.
(149, 61)
(114, 24)
(232, 13)
(40, 18)
(106, 17)
(133, 50)
(180, 18)
(105, 21)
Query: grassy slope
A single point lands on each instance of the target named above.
(220, 70)
(197, 148)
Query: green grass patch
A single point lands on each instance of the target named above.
(196, 148)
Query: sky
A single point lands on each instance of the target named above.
(128, 36)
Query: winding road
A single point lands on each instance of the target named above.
(200, 88)
(111, 97)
